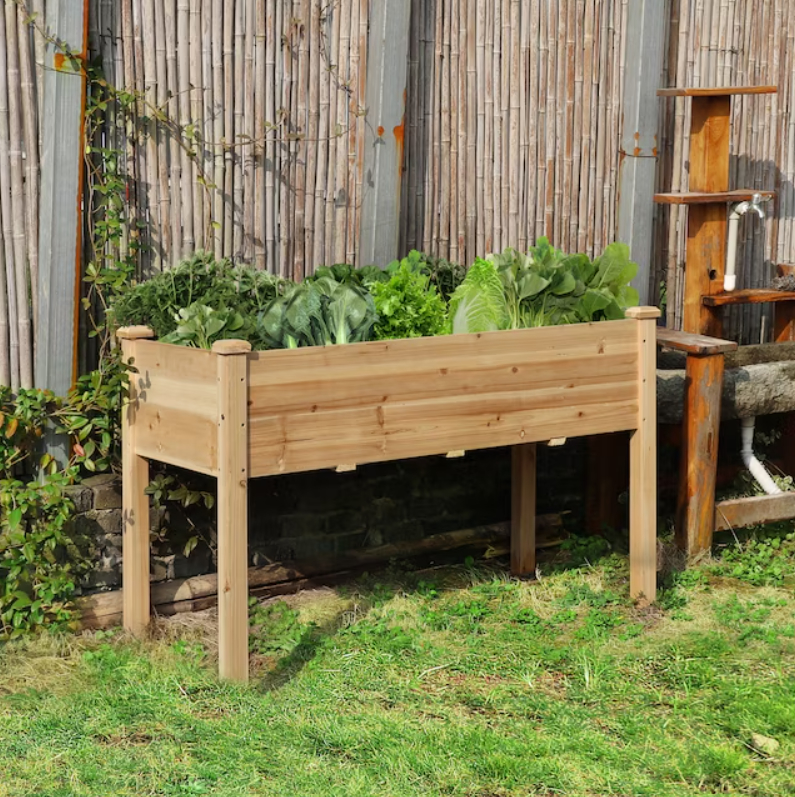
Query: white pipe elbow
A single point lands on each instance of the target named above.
(755, 467)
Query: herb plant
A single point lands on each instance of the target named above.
(408, 305)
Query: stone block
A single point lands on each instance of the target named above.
(106, 489)
(82, 497)
(161, 568)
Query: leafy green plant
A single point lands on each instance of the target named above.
(408, 306)
(767, 558)
(200, 280)
(200, 326)
(318, 313)
(543, 288)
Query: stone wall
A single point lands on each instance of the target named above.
(309, 515)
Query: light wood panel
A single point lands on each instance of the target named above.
(176, 405)
(314, 409)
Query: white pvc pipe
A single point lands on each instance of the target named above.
(756, 468)
(730, 277)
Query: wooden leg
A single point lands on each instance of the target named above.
(232, 510)
(698, 469)
(135, 502)
(135, 559)
(523, 509)
(605, 484)
(643, 468)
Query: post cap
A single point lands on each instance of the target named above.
(134, 333)
(642, 313)
(225, 347)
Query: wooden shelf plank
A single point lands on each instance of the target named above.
(739, 513)
(748, 296)
(716, 91)
(689, 342)
(708, 198)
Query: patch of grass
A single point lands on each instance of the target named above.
(468, 685)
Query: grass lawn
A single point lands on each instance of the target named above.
(466, 683)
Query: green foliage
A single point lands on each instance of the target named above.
(408, 306)
(200, 280)
(479, 304)
(766, 558)
(200, 326)
(42, 559)
(322, 312)
(544, 288)
(275, 627)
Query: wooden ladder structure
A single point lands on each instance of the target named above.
(698, 515)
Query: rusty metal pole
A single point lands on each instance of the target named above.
(387, 63)
(61, 218)
(638, 150)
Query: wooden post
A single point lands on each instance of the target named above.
(706, 232)
(695, 517)
(135, 502)
(643, 464)
(232, 508)
(523, 509)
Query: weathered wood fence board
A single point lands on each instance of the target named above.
(512, 130)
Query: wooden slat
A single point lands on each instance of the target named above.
(720, 91)
(739, 513)
(315, 379)
(523, 509)
(691, 343)
(232, 510)
(749, 296)
(710, 197)
(293, 443)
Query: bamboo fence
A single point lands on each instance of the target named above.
(251, 140)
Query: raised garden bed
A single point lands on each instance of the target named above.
(236, 414)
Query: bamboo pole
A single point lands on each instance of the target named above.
(37, 8)
(31, 144)
(312, 54)
(18, 199)
(184, 51)
(343, 78)
(6, 245)
(286, 185)
(351, 232)
(462, 125)
(533, 112)
(361, 131)
(210, 219)
(270, 152)
(444, 181)
(497, 61)
(430, 99)
(335, 13)
(480, 78)
(260, 153)
(298, 265)
(250, 149)
(217, 110)
(321, 182)
(228, 113)
(165, 51)
(159, 234)
(577, 125)
(568, 149)
(505, 100)
(237, 97)
(197, 120)
(551, 139)
(473, 132)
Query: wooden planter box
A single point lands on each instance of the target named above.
(236, 414)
